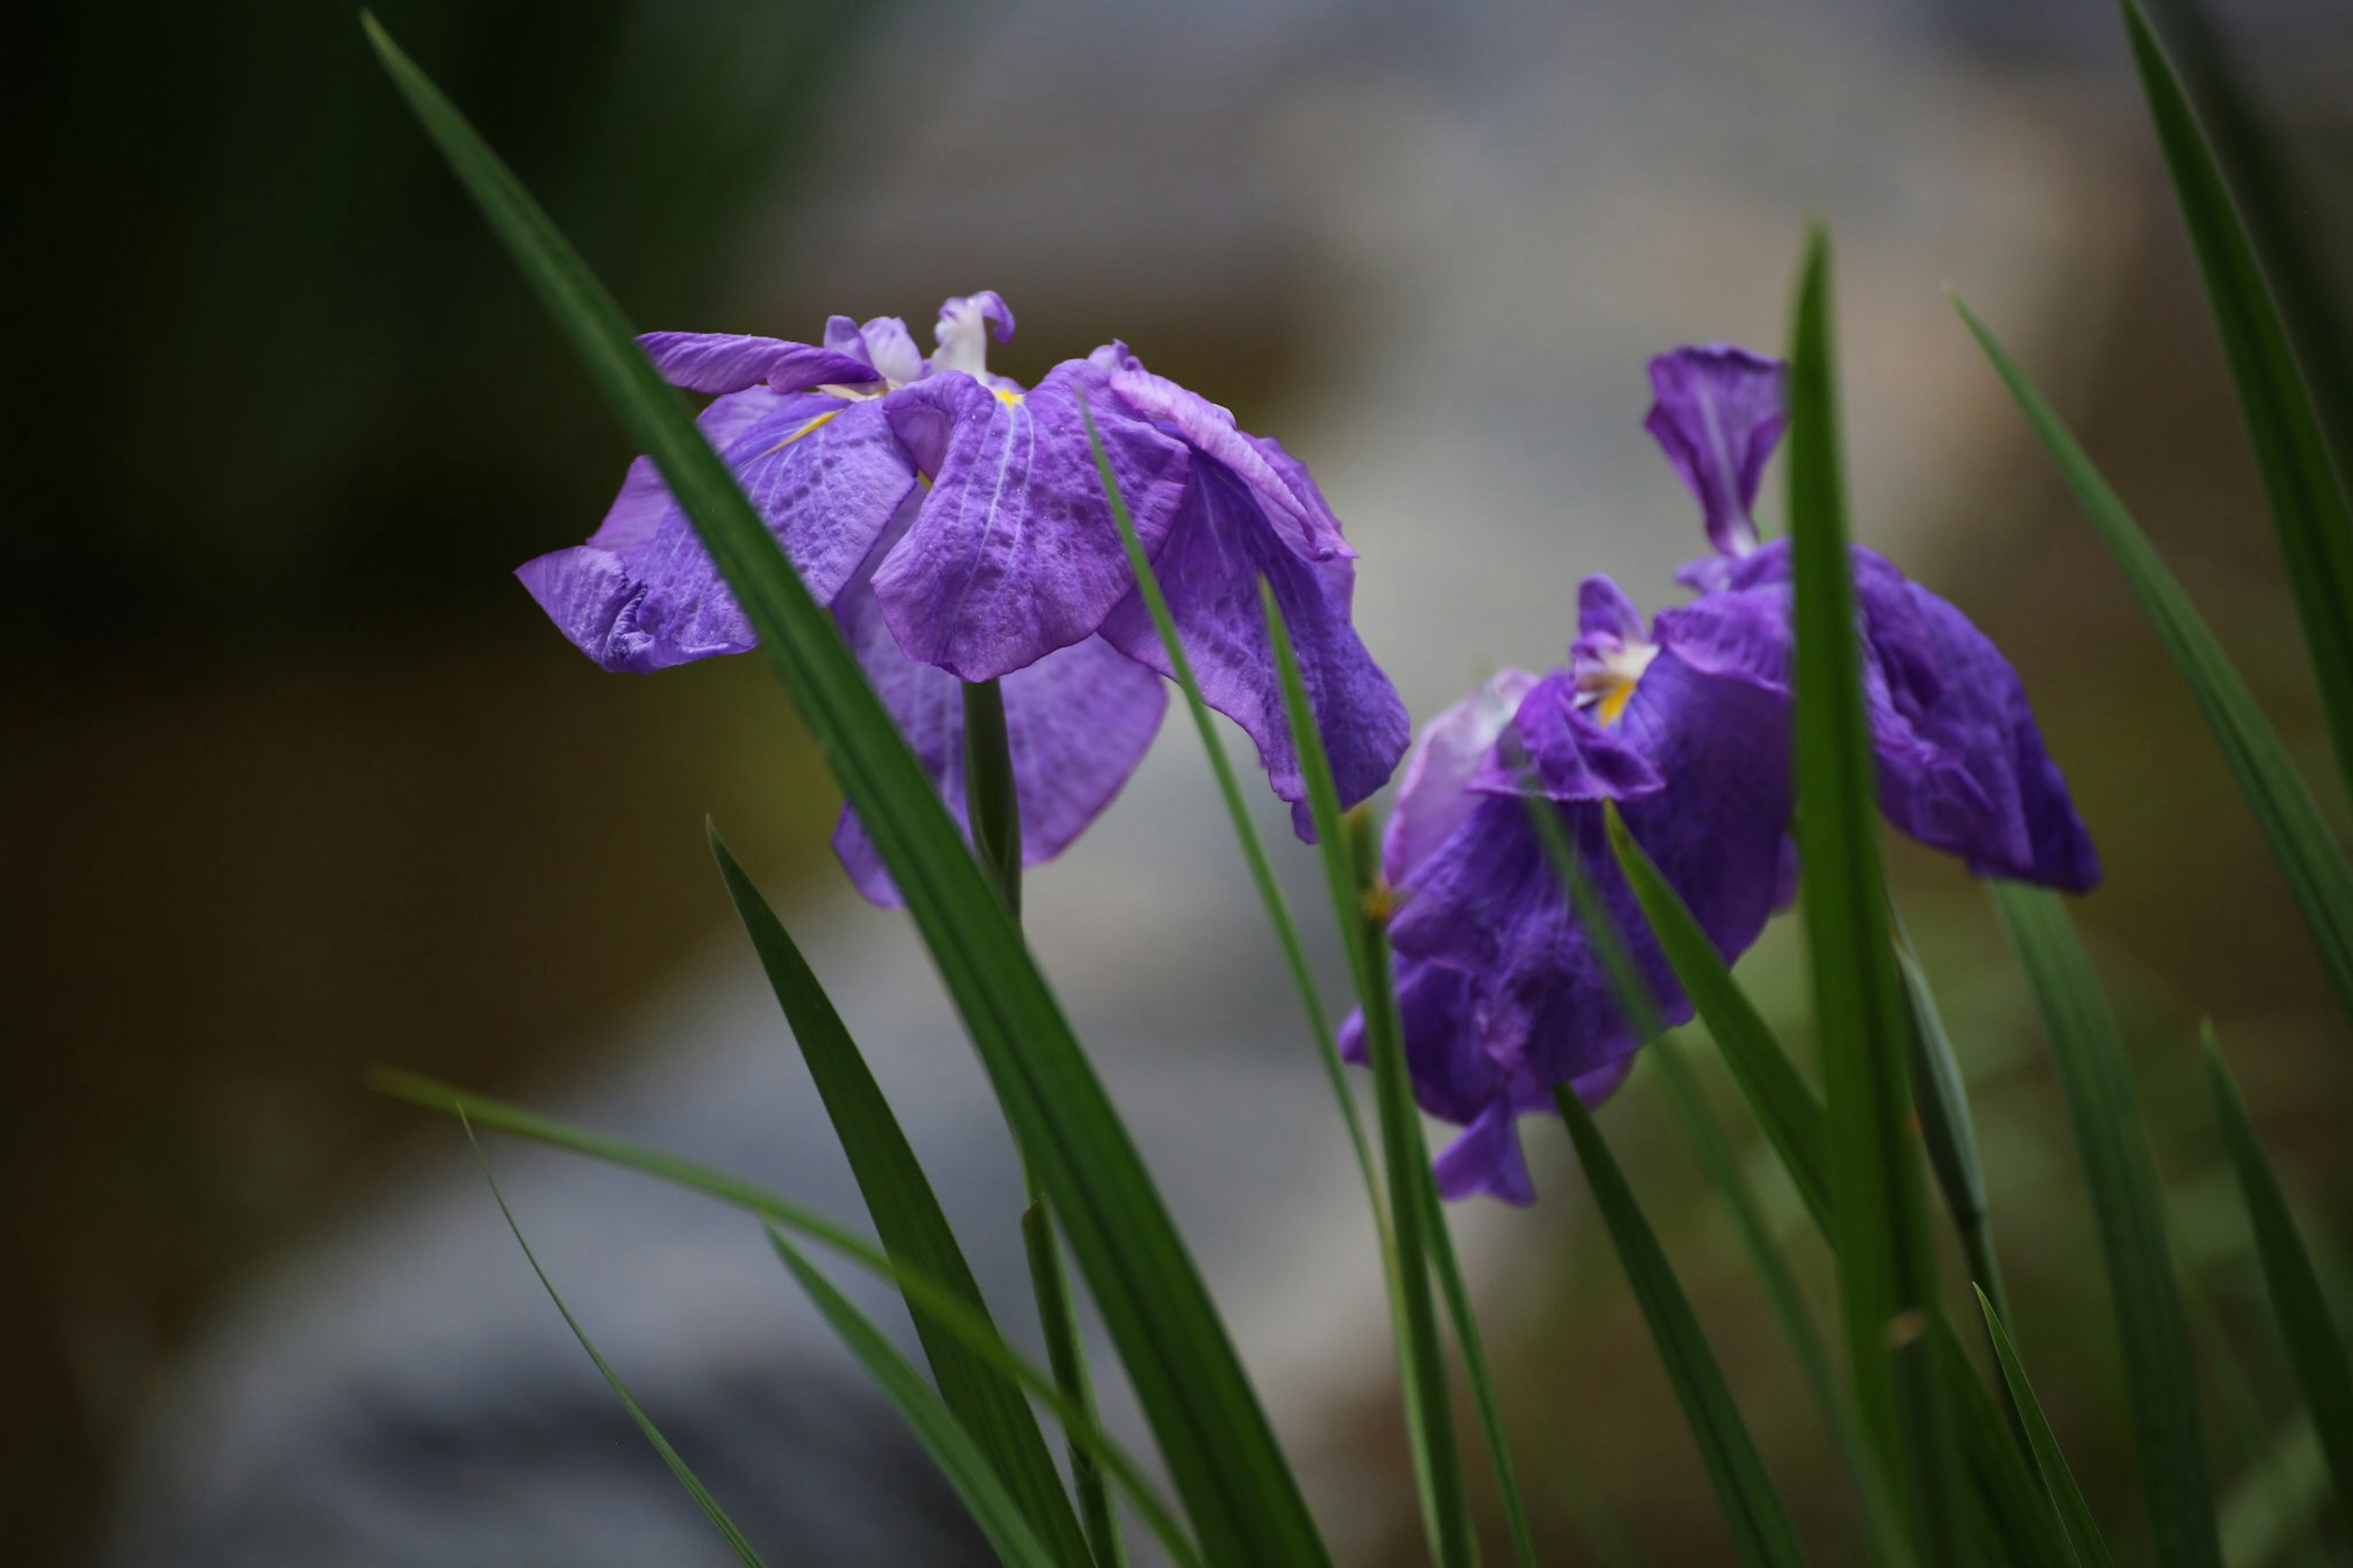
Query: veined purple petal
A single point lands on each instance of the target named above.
(720, 362)
(827, 475)
(1014, 553)
(1434, 794)
(1220, 545)
(643, 593)
(1077, 723)
(1209, 429)
(1719, 414)
(1603, 610)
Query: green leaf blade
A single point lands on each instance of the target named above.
(2306, 852)
(1404, 1162)
(908, 1217)
(2315, 1347)
(1752, 1508)
(2310, 511)
(2058, 1478)
(1242, 1496)
(1784, 1105)
(645, 1425)
(1886, 1267)
(952, 1447)
(2120, 1170)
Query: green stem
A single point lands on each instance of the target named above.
(992, 804)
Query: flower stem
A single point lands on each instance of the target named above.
(992, 804)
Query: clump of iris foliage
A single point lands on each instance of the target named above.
(1573, 862)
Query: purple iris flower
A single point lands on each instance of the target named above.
(954, 522)
(1684, 724)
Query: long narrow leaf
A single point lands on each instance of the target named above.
(1744, 1491)
(1886, 1269)
(2314, 1348)
(908, 1217)
(1781, 1288)
(1238, 1488)
(1752, 1508)
(1278, 914)
(1405, 1165)
(2120, 1168)
(2058, 1478)
(922, 1293)
(944, 1437)
(1947, 1128)
(1784, 1105)
(2257, 170)
(669, 1456)
(2300, 840)
(2310, 512)
(2012, 1502)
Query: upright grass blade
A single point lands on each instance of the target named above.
(669, 1456)
(1717, 1157)
(2300, 840)
(1405, 1163)
(924, 1294)
(1744, 1491)
(1452, 1289)
(1752, 1510)
(908, 1217)
(1240, 1492)
(1946, 1127)
(2120, 1168)
(1784, 1105)
(2058, 1479)
(1886, 1272)
(2258, 175)
(1269, 892)
(1319, 1024)
(2309, 506)
(2314, 1348)
(992, 808)
(927, 1415)
(2011, 1504)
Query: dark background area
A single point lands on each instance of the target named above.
(298, 783)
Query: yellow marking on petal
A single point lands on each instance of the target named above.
(1010, 399)
(801, 432)
(1612, 706)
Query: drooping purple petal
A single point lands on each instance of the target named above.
(1014, 553)
(643, 593)
(1962, 766)
(1719, 413)
(1962, 704)
(1220, 543)
(722, 363)
(1077, 723)
(1208, 428)
(1434, 795)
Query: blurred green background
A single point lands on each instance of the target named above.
(299, 782)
